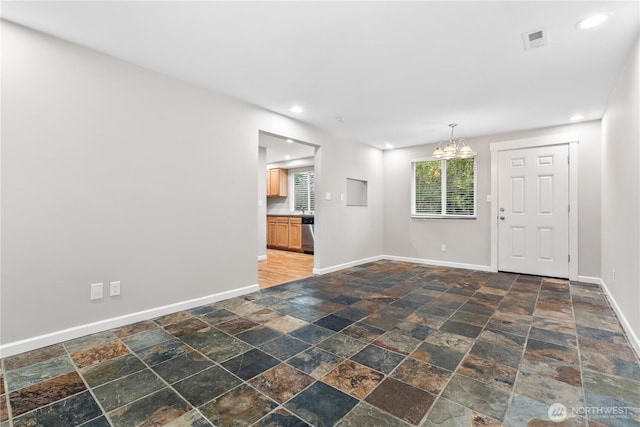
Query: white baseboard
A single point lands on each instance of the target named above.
(404, 259)
(591, 280)
(262, 257)
(440, 263)
(633, 338)
(29, 344)
(346, 265)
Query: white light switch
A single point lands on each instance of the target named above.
(96, 291)
(489, 198)
(327, 196)
(341, 197)
(114, 288)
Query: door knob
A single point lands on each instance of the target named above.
(501, 218)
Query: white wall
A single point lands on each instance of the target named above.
(334, 164)
(262, 202)
(621, 193)
(112, 172)
(469, 241)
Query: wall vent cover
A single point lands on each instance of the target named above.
(535, 39)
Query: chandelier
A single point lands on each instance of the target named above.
(454, 149)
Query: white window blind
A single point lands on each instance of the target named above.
(444, 188)
(303, 186)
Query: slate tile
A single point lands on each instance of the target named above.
(333, 322)
(281, 418)
(312, 334)
(258, 335)
(366, 415)
(459, 328)
(446, 413)
(341, 345)
(33, 357)
(284, 347)
(162, 352)
(182, 366)
(401, 400)
(477, 396)
(99, 353)
(147, 339)
(422, 375)
(538, 349)
(206, 385)
(127, 389)
(282, 382)
(158, 408)
(250, 364)
(353, 378)
(112, 369)
(378, 358)
(44, 393)
(321, 405)
(74, 410)
(315, 362)
(499, 376)
(33, 374)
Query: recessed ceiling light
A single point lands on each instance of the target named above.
(592, 21)
(296, 109)
(388, 145)
(287, 157)
(290, 141)
(576, 117)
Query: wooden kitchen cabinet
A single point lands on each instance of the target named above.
(277, 182)
(272, 232)
(284, 233)
(295, 234)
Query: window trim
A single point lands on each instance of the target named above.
(292, 193)
(416, 215)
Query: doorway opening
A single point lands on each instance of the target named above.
(286, 209)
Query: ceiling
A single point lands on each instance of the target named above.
(281, 149)
(377, 72)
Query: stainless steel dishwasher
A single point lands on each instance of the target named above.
(308, 237)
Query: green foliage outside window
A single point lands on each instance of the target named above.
(456, 194)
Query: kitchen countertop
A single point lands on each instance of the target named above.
(291, 215)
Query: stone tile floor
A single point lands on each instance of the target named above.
(382, 344)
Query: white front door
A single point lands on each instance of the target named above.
(533, 211)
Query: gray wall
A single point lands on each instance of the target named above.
(469, 241)
(112, 172)
(621, 197)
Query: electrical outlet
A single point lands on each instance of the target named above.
(443, 247)
(96, 291)
(114, 288)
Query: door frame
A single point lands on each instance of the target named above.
(572, 139)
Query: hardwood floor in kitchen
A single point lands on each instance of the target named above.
(283, 266)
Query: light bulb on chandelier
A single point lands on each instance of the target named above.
(453, 149)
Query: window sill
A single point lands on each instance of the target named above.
(444, 216)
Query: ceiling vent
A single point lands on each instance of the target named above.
(535, 39)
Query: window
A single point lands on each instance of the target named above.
(303, 191)
(444, 188)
